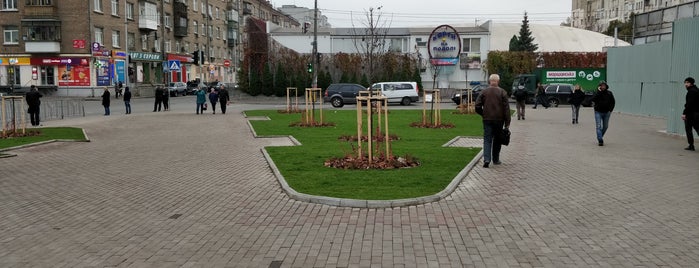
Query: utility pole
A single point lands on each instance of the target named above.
(162, 40)
(126, 42)
(315, 45)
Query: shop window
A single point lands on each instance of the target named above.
(47, 75)
(13, 77)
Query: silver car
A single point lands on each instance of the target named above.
(177, 89)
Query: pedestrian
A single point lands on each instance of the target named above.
(213, 98)
(158, 98)
(105, 100)
(201, 100)
(493, 105)
(576, 99)
(120, 89)
(224, 98)
(116, 90)
(521, 97)
(166, 99)
(690, 115)
(33, 98)
(127, 99)
(541, 96)
(604, 105)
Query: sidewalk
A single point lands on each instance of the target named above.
(179, 189)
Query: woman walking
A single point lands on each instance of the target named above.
(575, 101)
(213, 98)
(201, 100)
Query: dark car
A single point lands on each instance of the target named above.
(340, 94)
(456, 98)
(216, 85)
(560, 94)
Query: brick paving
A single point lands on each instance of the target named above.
(177, 189)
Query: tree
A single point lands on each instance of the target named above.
(514, 44)
(625, 31)
(280, 81)
(267, 82)
(525, 40)
(371, 43)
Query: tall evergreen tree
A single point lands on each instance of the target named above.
(526, 40)
(280, 81)
(514, 44)
(267, 81)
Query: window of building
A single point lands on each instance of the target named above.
(131, 41)
(218, 32)
(178, 47)
(47, 75)
(186, 47)
(99, 35)
(168, 21)
(194, 5)
(195, 26)
(9, 4)
(42, 30)
(211, 31)
(116, 36)
(98, 5)
(129, 11)
(38, 3)
(168, 46)
(217, 16)
(203, 29)
(144, 41)
(115, 7)
(11, 34)
(471, 45)
(203, 7)
(157, 17)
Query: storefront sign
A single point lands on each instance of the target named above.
(119, 54)
(78, 43)
(60, 61)
(120, 72)
(145, 56)
(101, 53)
(14, 61)
(74, 75)
(444, 46)
(181, 58)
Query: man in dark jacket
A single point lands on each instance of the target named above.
(493, 105)
(33, 98)
(127, 100)
(223, 98)
(158, 98)
(604, 105)
(690, 115)
(521, 97)
(541, 96)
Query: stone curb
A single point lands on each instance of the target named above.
(359, 203)
(87, 139)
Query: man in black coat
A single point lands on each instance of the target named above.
(223, 98)
(690, 115)
(604, 105)
(158, 99)
(33, 98)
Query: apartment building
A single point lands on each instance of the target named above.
(73, 46)
(304, 14)
(595, 15)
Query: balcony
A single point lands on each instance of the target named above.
(147, 24)
(180, 31)
(247, 11)
(32, 12)
(42, 47)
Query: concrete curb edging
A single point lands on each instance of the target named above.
(358, 203)
(87, 139)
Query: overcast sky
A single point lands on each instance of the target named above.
(401, 13)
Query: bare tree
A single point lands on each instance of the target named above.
(370, 41)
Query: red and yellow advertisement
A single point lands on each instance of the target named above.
(69, 75)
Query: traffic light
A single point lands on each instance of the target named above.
(195, 56)
(306, 26)
(310, 67)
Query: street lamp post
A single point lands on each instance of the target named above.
(315, 45)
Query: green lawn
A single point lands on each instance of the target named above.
(302, 166)
(47, 133)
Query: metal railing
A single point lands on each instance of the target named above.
(51, 109)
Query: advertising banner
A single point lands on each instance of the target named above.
(120, 71)
(102, 69)
(74, 75)
(587, 78)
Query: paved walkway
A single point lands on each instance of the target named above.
(177, 189)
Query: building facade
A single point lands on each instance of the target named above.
(78, 45)
(595, 15)
(304, 14)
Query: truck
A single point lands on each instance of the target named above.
(587, 78)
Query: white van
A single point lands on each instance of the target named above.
(401, 92)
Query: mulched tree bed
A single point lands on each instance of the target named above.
(18, 134)
(312, 124)
(379, 138)
(379, 162)
(290, 111)
(428, 125)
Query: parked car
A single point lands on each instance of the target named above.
(216, 85)
(177, 88)
(340, 94)
(398, 92)
(193, 86)
(456, 98)
(560, 93)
